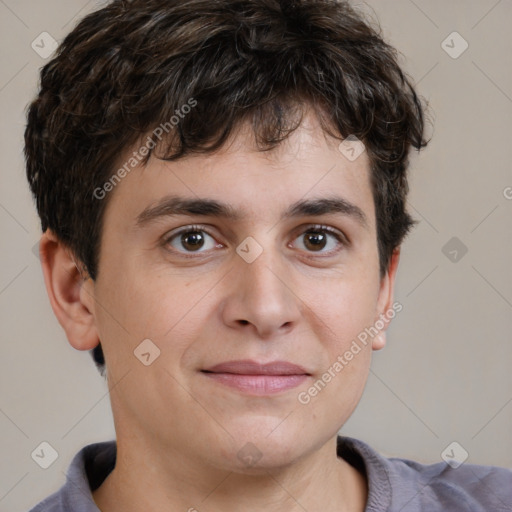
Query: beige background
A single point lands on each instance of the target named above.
(445, 374)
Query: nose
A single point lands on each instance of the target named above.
(261, 296)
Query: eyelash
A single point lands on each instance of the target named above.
(317, 228)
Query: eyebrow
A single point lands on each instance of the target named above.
(174, 205)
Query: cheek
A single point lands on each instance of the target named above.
(337, 388)
(345, 308)
(147, 305)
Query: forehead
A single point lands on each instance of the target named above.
(306, 174)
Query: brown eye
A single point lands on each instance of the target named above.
(315, 240)
(321, 239)
(192, 239)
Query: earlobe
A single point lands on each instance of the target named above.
(379, 342)
(71, 294)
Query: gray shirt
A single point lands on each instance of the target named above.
(394, 484)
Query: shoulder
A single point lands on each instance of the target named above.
(409, 485)
(89, 467)
(466, 487)
(53, 503)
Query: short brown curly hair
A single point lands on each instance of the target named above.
(128, 67)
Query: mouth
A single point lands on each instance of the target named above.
(255, 378)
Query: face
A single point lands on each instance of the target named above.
(244, 312)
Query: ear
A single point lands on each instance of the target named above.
(385, 300)
(71, 294)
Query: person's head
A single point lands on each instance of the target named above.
(244, 102)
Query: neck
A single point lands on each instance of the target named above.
(319, 481)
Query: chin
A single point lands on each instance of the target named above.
(263, 443)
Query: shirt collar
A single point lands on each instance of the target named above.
(93, 463)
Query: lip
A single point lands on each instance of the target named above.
(258, 378)
(249, 367)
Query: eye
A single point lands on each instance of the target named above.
(191, 239)
(196, 239)
(317, 238)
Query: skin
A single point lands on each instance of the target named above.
(178, 432)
